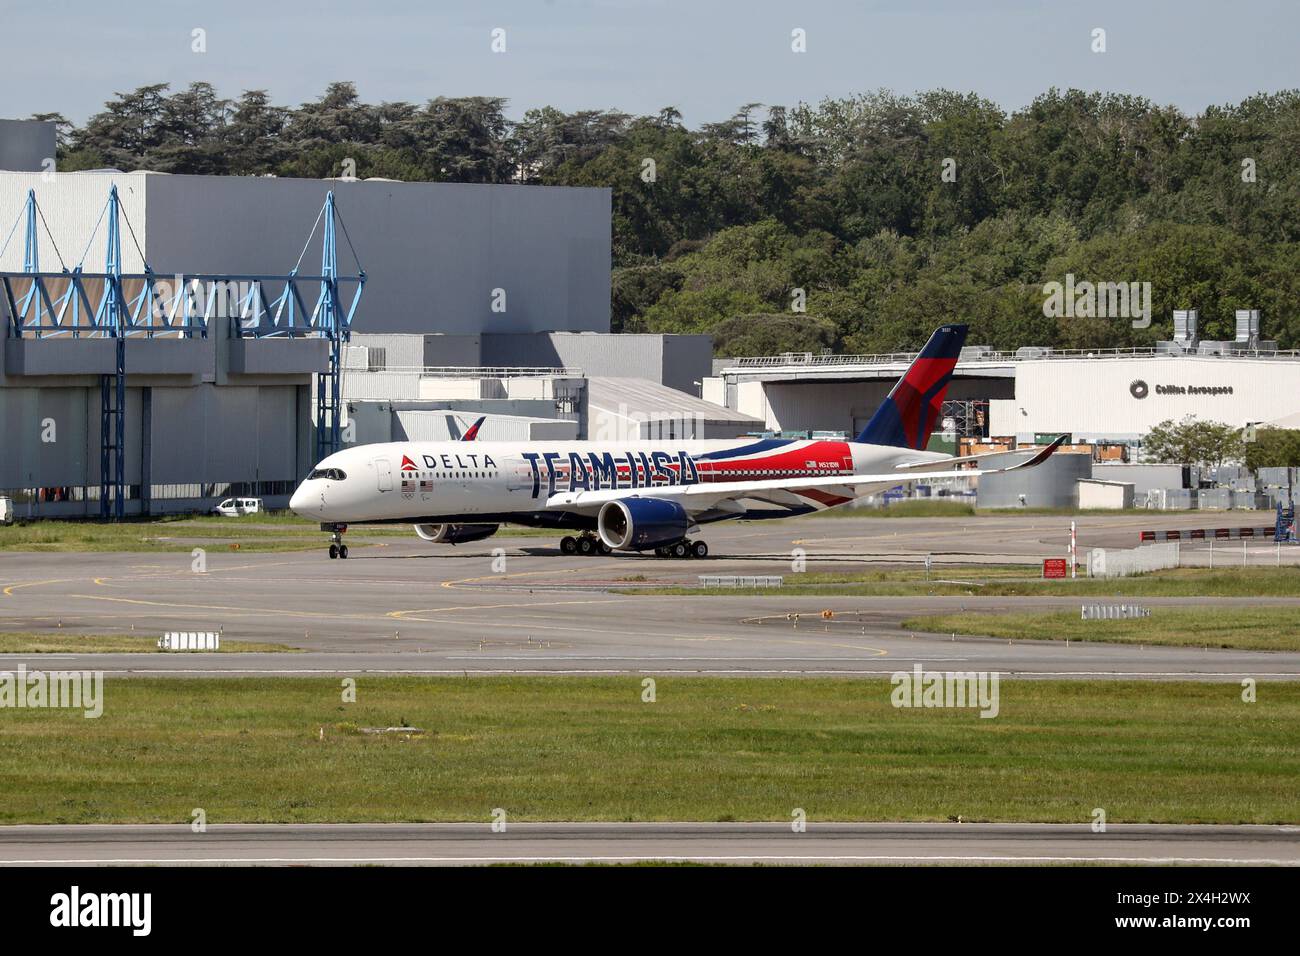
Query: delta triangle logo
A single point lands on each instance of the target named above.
(407, 464)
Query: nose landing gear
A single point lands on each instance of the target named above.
(337, 548)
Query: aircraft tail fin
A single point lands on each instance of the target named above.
(908, 415)
(472, 432)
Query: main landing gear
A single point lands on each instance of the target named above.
(586, 545)
(337, 548)
(683, 549)
(589, 545)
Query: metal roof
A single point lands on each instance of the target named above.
(652, 400)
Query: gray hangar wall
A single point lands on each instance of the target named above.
(27, 144)
(433, 252)
(194, 443)
(237, 416)
(193, 427)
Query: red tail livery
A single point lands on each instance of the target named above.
(907, 416)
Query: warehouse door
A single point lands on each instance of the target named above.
(384, 473)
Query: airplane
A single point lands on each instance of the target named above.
(635, 496)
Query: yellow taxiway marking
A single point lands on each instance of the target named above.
(404, 615)
(238, 611)
(879, 651)
(179, 572)
(526, 574)
(31, 584)
(330, 615)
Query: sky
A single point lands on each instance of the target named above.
(705, 58)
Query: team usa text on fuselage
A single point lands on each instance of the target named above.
(553, 471)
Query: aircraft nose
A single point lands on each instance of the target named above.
(300, 501)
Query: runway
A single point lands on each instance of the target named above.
(810, 657)
(461, 844)
(515, 605)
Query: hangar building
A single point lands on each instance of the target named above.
(488, 280)
(1102, 395)
(444, 257)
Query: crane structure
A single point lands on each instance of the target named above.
(114, 304)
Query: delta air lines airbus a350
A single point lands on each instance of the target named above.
(638, 495)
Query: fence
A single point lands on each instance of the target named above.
(1112, 612)
(1119, 562)
(190, 641)
(741, 580)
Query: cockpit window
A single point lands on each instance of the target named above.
(333, 474)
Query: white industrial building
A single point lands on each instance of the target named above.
(1116, 395)
(839, 393)
(1097, 398)
(1100, 494)
(1122, 396)
(390, 395)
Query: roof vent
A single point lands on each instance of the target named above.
(1247, 329)
(1185, 322)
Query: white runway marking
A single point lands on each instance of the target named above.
(702, 858)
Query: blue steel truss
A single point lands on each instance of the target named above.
(113, 303)
(118, 305)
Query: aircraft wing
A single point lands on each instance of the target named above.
(963, 459)
(710, 495)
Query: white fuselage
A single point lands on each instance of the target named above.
(491, 481)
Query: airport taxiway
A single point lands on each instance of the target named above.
(734, 843)
(513, 604)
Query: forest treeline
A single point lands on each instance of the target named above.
(856, 224)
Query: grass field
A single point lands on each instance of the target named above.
(46, 643)
(261, 532)
(708, 749)
(1007, 580)
(1256, 629)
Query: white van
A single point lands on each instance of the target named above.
(235, 507)
(6, 510)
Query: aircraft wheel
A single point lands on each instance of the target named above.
(699, 550)
(661, 552)
(586, 547)
(604, 548)
(568, 544)
(334, 550)
(343, 551)
(680, 550)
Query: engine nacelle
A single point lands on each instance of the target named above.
(638, 524)
(455, 533)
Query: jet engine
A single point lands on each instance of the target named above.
(638, 524)
(455, 533)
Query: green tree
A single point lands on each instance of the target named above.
(1274, 448)
(845, 199)
(772, 334)
(1193, 442)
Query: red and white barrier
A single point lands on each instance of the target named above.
(1202, 534)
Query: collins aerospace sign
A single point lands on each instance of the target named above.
(1139, 389)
